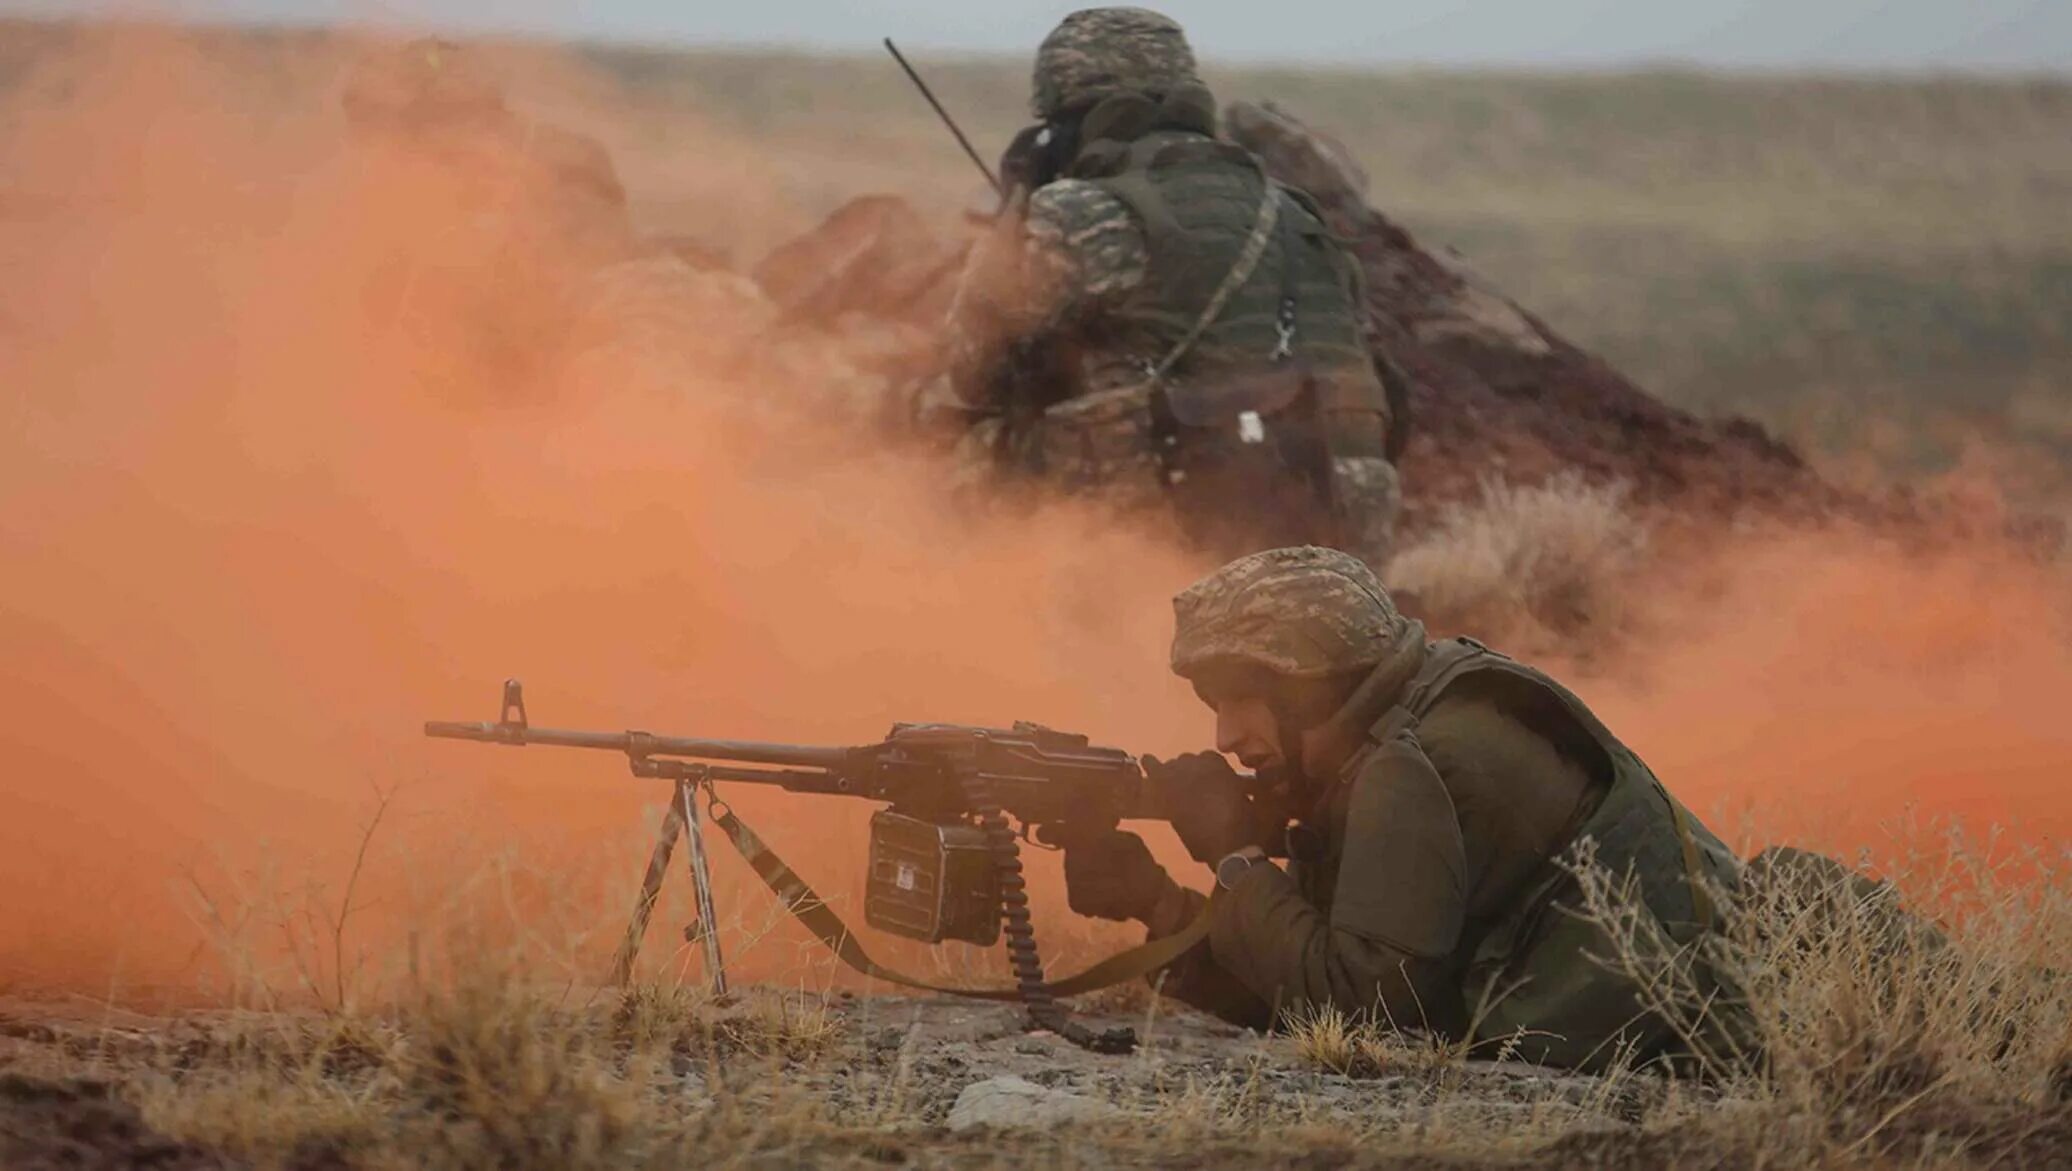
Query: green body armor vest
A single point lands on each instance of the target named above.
(1297, 314)
(1235, 378)
(1530, 975)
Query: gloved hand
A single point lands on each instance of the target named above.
(1111, 875)
(1210, 807)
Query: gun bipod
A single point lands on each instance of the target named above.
(681, 819)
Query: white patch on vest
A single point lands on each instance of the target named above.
(1250, 428)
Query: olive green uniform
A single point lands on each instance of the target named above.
(1458, 783)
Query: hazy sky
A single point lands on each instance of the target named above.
(1864, 34)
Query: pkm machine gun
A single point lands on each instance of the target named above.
(944, 861)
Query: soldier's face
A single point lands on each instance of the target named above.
(1254, 708)
(1248, 728)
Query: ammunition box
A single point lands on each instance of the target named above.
(931, 882)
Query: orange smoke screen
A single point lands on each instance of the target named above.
(256, 533)
(258, 523)
(1830, 690)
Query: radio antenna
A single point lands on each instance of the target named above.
(992, 180)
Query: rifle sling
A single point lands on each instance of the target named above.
(819, 918)
(1241, 270)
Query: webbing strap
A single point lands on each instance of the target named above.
(1241, 270)
(1694, 871)
(1137, 962)
(1284, 313)
(819, 918)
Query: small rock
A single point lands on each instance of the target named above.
(1007, 1102)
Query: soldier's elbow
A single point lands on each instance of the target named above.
(1393, 987)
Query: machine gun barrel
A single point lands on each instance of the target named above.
(1040, 776)
(642, 744)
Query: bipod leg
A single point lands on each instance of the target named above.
(701, 882)
(650, 888)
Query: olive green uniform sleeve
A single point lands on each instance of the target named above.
(1396, 913)
(1077, 247)
(1441, 832)
(1195, 978)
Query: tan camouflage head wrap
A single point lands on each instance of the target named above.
(1303, 612)
(424, 82)
(1100, 52)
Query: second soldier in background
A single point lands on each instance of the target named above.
(1166, 325)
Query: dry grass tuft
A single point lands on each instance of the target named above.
(506, 1077)
(498, 1071)
(756, 1022)
(1528, 566)
(1359, 1047)
(270, 1116)
(1863, 1030)
(788, 1027)
(658, 1018)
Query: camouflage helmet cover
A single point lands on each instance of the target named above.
(1302, 612)
(1099, 52)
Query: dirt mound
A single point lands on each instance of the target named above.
(875, 254)
(1497, 392)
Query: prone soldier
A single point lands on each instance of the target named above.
(1436, 791)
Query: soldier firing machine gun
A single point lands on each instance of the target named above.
(944, 863)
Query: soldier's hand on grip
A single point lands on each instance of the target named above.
(1210, 806)
(1112, 875)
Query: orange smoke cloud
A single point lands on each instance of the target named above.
(258, 530)
(262, 512)
(1828, 687)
